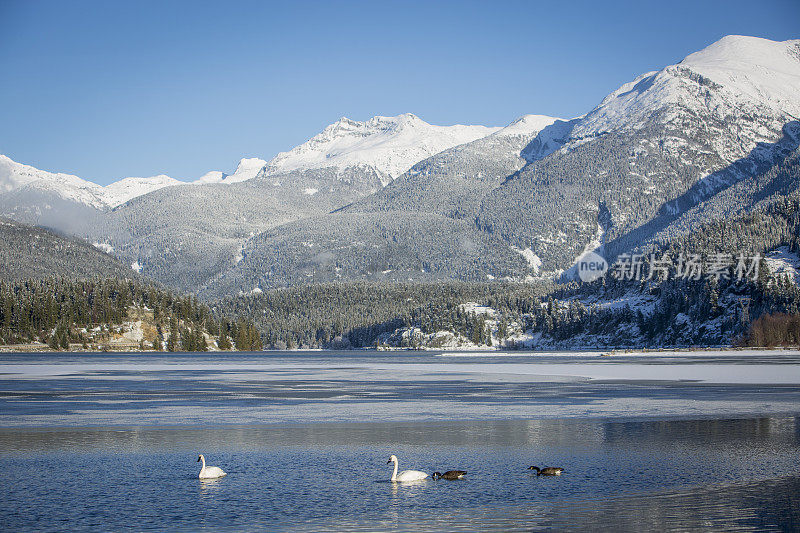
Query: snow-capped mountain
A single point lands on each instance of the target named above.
(732, 78)
(694, 142)
(654, 150)
(446, 182)
(526, 126)
(387, 146)
(16, 176)
(710, 137)
(247, 169)
(390, 145)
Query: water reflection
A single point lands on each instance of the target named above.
(535, 434)
(680, 475)
(209, 487)
(762, 506)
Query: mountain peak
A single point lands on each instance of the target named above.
(735, 73)
(526, 125)
(214, 176)
(391, 145)
(247, 168)
(778, 55)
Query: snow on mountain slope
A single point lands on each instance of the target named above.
(125, 189)
(387, 145)
(15, 175)
(247, 168)
(390, 145)
(733, 76)
(763, 70)
(660, 153)
(215, 176)
(525, 125)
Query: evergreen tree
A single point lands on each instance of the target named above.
(224, 342)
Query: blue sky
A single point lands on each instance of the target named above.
(106, 89)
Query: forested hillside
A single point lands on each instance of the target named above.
(354, 315)
(31, 252)
(666, 309)
(110, 314)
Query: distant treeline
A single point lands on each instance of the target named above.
(341, 315)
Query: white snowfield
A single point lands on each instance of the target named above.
(126, 189)
(783, 262)
(248, 168)
(526, 125)
(390, 145)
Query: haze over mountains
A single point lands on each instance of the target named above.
(395, 198)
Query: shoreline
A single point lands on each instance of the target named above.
(468, 352)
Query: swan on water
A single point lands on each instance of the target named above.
(450, 474)
(547, 471)
(405, 475)
(209, 472)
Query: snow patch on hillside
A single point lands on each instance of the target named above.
(472, 307)
(533, 260)
(784, 263)
(104, 246)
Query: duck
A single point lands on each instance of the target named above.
(209, 472)
(547, 471)
(450, 474)
(405, 475)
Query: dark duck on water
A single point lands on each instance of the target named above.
(547, 471)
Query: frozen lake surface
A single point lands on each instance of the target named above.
(662, 441)
(197, 389)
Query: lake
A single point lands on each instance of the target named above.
(662, 441)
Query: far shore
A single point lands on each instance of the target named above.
(460, 351)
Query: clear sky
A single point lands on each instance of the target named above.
(109, 89)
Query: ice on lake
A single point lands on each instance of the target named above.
(137, 389)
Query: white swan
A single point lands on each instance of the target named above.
(405, 475)
(209, 472)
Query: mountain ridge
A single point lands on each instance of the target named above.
(670, 148)
(389, 145)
